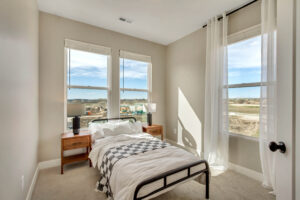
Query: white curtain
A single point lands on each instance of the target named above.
(216, 94)
(268, 104)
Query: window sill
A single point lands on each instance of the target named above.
(244, 136)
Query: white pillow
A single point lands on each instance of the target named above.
(96, 131)
(117, 128)
(136, 127)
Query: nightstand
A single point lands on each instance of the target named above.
(154, 130)
(70, 141)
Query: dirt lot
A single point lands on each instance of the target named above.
(244, 116)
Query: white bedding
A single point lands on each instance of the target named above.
(128, 173)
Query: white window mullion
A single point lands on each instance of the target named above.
(132, 89)
(149, 79)
(87, 87)
(66, 65)
(245, 85)
(109, 85)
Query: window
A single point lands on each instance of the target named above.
(87, 82)
(244, 79)
(135, 85)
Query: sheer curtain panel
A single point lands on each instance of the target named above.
(268, 102)
(216, 94)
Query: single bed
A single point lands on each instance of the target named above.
(138, 166)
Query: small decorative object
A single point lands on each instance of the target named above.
(151, 109)
(76, 125)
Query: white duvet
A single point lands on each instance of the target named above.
(129, 172)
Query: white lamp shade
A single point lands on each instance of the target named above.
(74, 109)
(151, 107)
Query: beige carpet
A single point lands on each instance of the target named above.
(79, 182)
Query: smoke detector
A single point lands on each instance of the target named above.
(125, 20)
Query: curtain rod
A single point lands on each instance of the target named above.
(231, 12)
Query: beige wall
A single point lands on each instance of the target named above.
(297, 144)
(185, 80)
(19, 96)
(53, 31)
(185, 72)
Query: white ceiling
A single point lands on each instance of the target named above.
(160, 21)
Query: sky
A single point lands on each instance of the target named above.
(90, 69)
(244, 66)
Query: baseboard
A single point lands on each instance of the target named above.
(41, 165)
(237, 168)
(49, 164)
(32, 185)
(246, 171)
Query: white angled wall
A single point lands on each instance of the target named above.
(18, 96)
(297, 167)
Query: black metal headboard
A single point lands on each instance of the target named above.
(116, 118)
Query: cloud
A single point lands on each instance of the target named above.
(83, 59)
(88, 71)
(134, 75)
(245, 54)
(86, 64)
(133, 69)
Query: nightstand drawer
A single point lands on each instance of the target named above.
(74, 143)
(155, 131)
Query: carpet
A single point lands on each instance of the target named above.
(79, 183)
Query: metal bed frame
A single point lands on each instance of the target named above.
(116, 118)
(171, 172)
(165, 175)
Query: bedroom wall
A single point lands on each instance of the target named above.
(297, 143)
(53, 31)
(185, 90)
(19, 96)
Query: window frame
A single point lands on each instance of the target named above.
(141, 58)
(240, 36)
(91, 48)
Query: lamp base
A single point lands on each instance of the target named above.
(76, 125)
(76, 131)
(149, 119)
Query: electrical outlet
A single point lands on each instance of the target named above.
(174, 130)
(22, 183)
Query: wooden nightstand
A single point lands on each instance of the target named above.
(154, 130)
(70, 141)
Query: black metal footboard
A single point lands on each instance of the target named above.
(171, 172)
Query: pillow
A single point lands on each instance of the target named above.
(136, 127)
(123, 128)
(117, 128)
(96, 131)
(108, 132)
